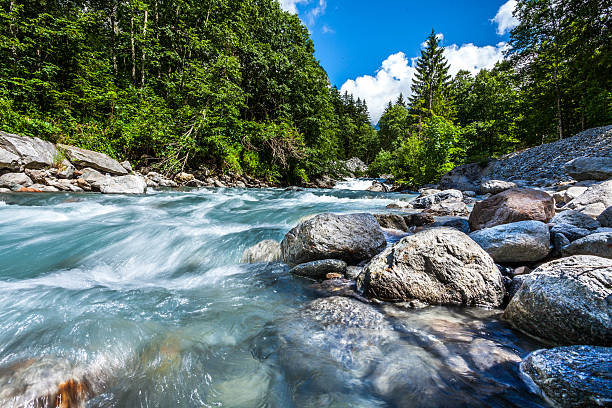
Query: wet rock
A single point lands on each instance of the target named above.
(352, 238)
(564, 302)
(442, 196)
(33, 153)
(5, 190)
(391, 221)
(83, 158)
(576, 219)
(318, 269)
(599, 244)
(605, 218)
(593, 201)
(496, 186)
(590, 168)
(524, 241)
(378, 187)
(437, 266)
(130, 184)
(510, 206)
(575, 376)
(264, 251)
(570, 231)
(9, 180)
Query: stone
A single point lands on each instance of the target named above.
(29, 190)
(436, 266)
(63, 185)
(566, 302)
(355, 165)
(521, 270)
(5, 190)
(559, 242)
(9, 180)
(457, 223)
(524, 241)
(94, 178)
(264, 251)
(496, 186)
(378, 187)
(83, 184)
(515, 285)
(319, 269)
(577, 219)
(352, 238)
(33, 153)
(130, 184)
(391, 221)
(127, 166)
(565, 196)
(574, 376)
(448, 209)
(590, 168)
(593, 201)
(334, 276)
(8, 160)
(605, 218)
(419, 219)
(465, 178)
(519, 204)
(571, 232)
(37, 176)
(352, 272)
(599, 244)
(183, 178)
(83, 158)
(442, 196)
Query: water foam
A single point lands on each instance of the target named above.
(354, 184)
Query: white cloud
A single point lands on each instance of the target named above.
(504, 19)
(291, 5)
(318, 11)
(327, 29)
(311, 15)
(396, 73)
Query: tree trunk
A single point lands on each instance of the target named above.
(144, 38)
(114, 28)
(556, 69)
(133, 49)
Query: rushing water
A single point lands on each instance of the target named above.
(144, 297)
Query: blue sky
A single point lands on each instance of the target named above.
(368, 48)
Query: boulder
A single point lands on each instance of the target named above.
(593, 201)
(9, 180)
(524, 241)
(419, 219)
(605, 218)
(442, 196)
(570, 231)
(574, 376)
(183, 178)
(457, 223)
(355, 165)
(559, 242)
(352, 238)
(565, 196)
(319, 269)
(127, 166)
(448, 209)
(565, 302)
(465, 178)
(590, 168)
(436, 266)
(576, 219)
(32, 153)
(496, 186)
(130, 184)
(8, 160)
(391, 221)
(519, 204)
(63, 185)
(93, 177)
(378, 187)
(264, 251)
(599, 244)
(83, 158)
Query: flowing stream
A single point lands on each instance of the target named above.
(144, 297)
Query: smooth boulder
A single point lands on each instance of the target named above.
(32, 153)
(524, 241)
(442, 196)
(320, 269)
(352, 238)
(594, 201)
(576, 219)
(436, 266)
(9, 180)
(590, 168)
(570, 231)
(86, 158)
(496, 186)
(566, 302)
(8, 160)
(514, 205)
(130, 184)
(264, 251)
(598, 244)
(574, 376)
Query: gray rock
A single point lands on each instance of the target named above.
(155, 179)
(264, 251)
(559, 241)
(352, 238)
(524, 241)
(576, 219)
(515, 285)
(590, 168)
(436, 266)
(575, 376)
(62, 185)
(352, 272)
(183, 178)
(9, 180)
(378, 187)
(605, 218)
(8, 160)
(565, 302)
(457, 223)
(496, 186)
(565, 196)
(465, 178)
(391, 221)
(126, 165)
(355, 165)
(33, 153)
(571, 232)
(593, 201)
(83, 158)
(130, 184)
(599, 244)
(5, 190)
(448, 208)
(94, 177)
(318, 269)
(442, 196)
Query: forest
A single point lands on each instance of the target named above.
(234, 86)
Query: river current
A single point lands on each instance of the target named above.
(144, 296)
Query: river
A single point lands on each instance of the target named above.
(145, 297)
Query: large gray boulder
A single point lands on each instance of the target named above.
(593, 201)
(9, 180)
(590, 168)
(525, 241)
(352, 238)
(86, 158)
(264, 251)
(130, 184)
(566, 301)
(496, 186)
(465, 178)
(442, 196)
(605, 218)
(576, 219)
(8, 160)
(436, 266)
(575, 376)
(598, 244)
(32, 153)
(571, 232)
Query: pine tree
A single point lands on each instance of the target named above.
(430, 86)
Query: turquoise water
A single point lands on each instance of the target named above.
(144, 297)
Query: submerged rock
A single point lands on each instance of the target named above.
(575, 376)
(352, 238)
(264, 251)
(437, 266)
(525, 241)
(319, 269)
(566, 302)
